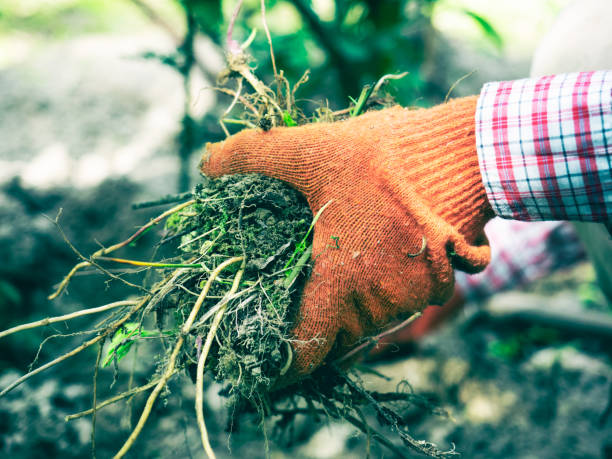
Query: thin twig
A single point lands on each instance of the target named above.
(241, 122)
(91, 259)
(265, 26)
(377, 338)
(152, 397)
(368, 430)
(224, 300)
(114, 399)
(391, 418)
(76, 350)
(231, 92)
(234, 100)
(196, 307)
(107, 250)
(199, 236)
(454, 85)
(384, 78)
(237, 62)
(127, 416)
(72, 315)
(231, 106)
(97, 329)
(142, 229)
(66, 279)
(94, 401)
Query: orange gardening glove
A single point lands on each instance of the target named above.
(396, 179)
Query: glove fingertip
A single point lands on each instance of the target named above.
(213, 161)
(314, 334)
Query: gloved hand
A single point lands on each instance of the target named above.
(397, 179)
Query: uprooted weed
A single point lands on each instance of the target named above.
(222, 299)
(265, 222)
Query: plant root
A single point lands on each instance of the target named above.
(76, 350)
(107, 250)
(170, 367)
(72, 315)
(238, 327)
(199, 398)
(115, 399)
(370, 342)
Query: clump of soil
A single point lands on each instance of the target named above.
(266, 222)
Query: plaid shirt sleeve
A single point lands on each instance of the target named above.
(545, 146)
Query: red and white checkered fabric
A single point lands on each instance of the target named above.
(545, 146)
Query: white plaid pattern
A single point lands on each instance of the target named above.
(545, 146)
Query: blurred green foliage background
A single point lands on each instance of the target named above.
(345, 44)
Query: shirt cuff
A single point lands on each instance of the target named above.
(545, 146)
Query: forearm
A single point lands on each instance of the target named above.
(545, 147)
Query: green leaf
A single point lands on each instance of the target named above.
(487, 28)
(301, 247)
(121, 343)
(366, 92)
(288, 120)
(295, 271)
(123, 340)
